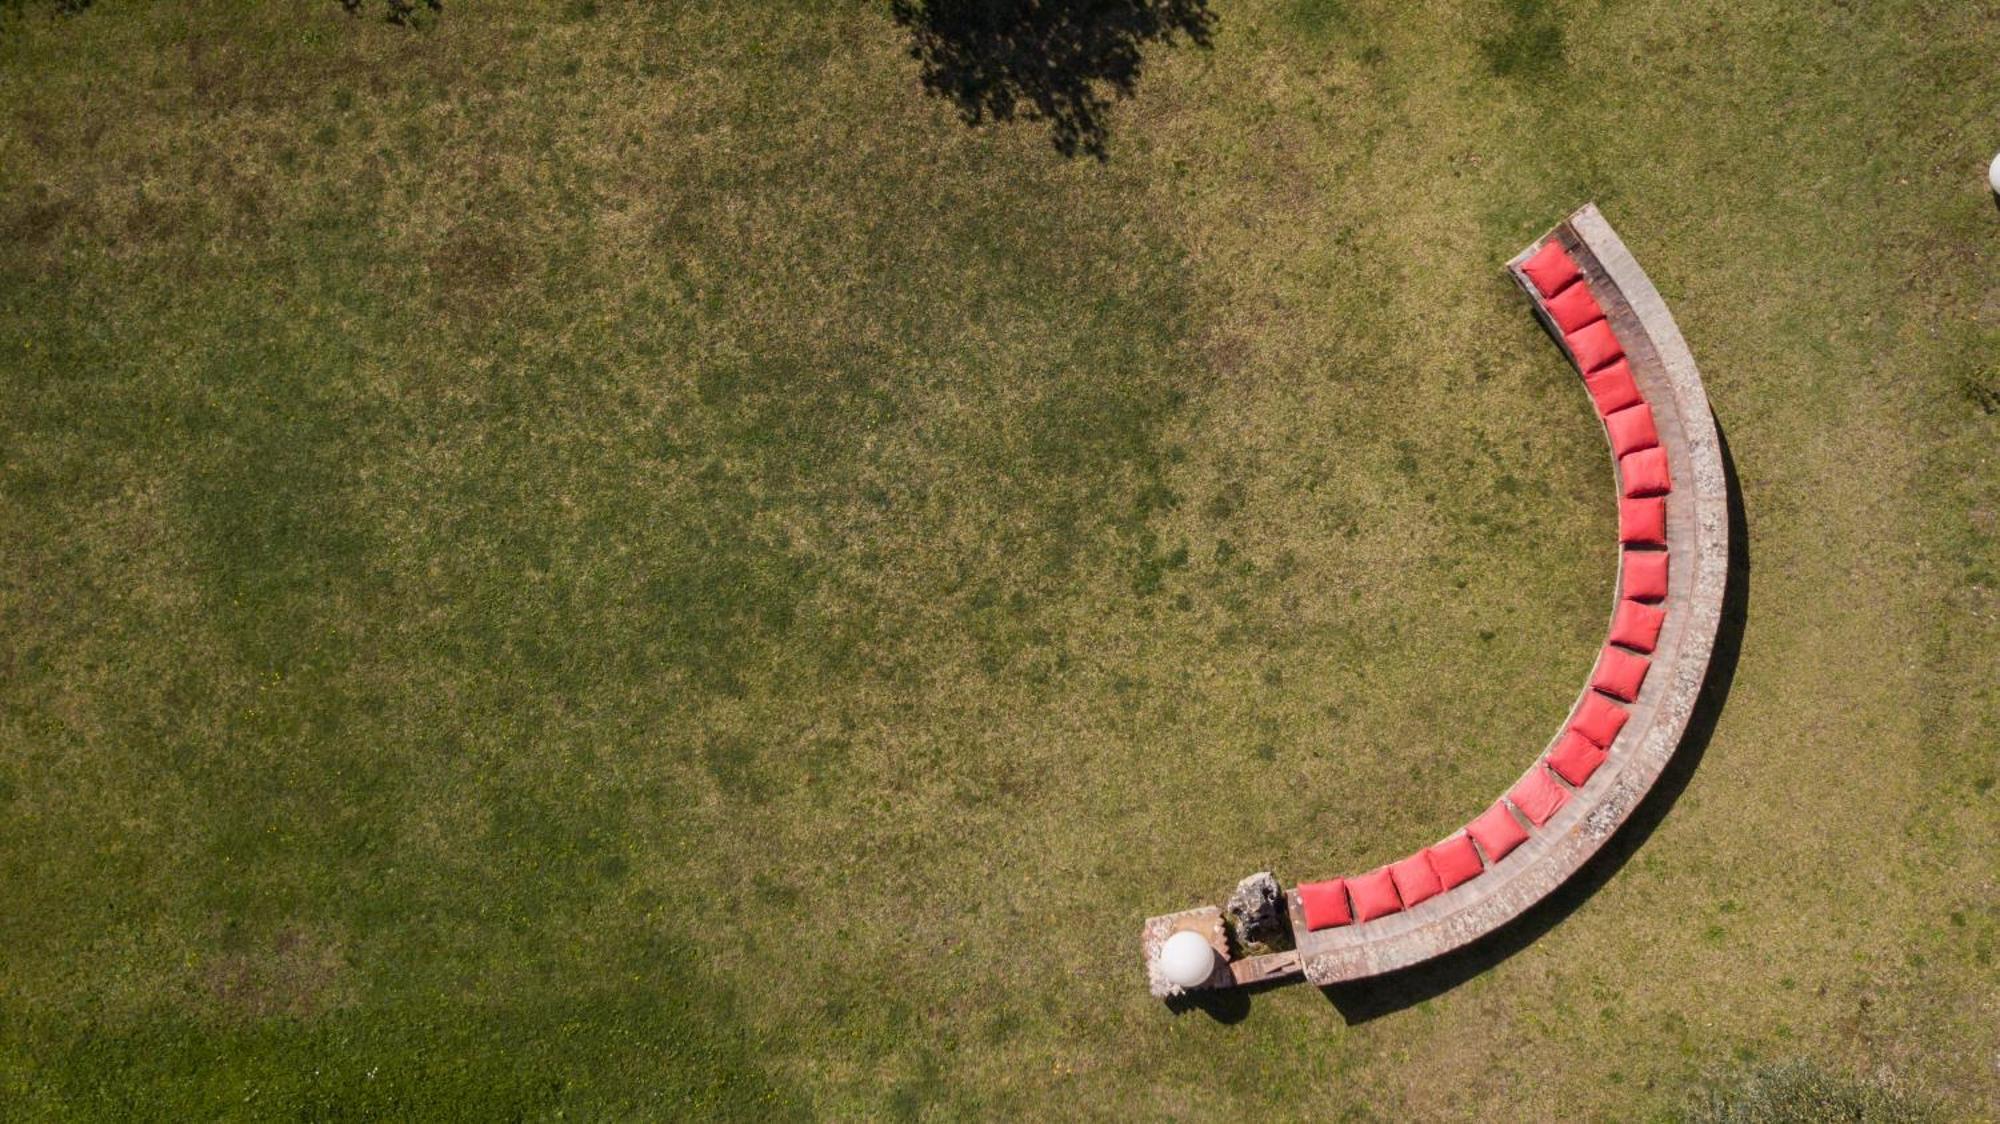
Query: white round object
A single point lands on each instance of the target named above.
(1187, 959)
(1993, 173)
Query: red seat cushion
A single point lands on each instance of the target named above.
(1374, 894)
(1612, 388)
(1644, 473)
(1632, 429)
(1325, 904)
(1497, 832)
(1550, 268)
(1538, 795)
(1643, 522)
(1456, 860)
(1415, 880)
(1573, 308)
(1574, 758)
(1599, 719)
(1643, 576)
(1637, 626)
(1619, 673)
(1593, 346)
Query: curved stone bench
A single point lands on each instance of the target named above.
(1576, 794)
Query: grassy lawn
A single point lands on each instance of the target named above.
(610, 560)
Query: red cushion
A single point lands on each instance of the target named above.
(1574, 758)
(1637, 626)
(1619, 673)
(1612, 388)
(1643, 521)
(1415, 880)
(1645, 473)
(1593, 346)
(1573, 308)
(1456, 860)
(1538, 795)
(1325, 904)
(1550, 268)
(1644, 575)
(1632, 429)
(1374, 894)
(1497, 832)
(1599, 719)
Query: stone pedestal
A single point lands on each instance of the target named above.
(1207, 921)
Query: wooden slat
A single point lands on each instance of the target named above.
(1265, 968)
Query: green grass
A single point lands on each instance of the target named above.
(613, 560)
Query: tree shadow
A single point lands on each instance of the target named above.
(1362, 1000)
(403, 13)
(1060, 61)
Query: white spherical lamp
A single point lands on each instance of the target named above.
(1187, 959)
(1993, 173)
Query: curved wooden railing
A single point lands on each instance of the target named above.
(1592, 790)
